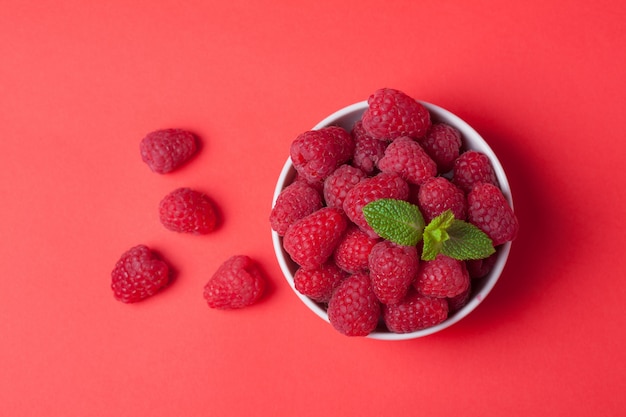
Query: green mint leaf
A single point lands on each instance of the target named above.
(395, 220)
(455, 238)
(467, 241)
(436, 234)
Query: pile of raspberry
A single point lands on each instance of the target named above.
(398, 151)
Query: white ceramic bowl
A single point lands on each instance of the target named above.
(346, 118)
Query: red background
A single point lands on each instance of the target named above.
(82, 82)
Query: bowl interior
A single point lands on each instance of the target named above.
(346, 118)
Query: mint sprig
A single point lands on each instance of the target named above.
(435, 234)
(402, 223)
(395, 220)
(455, 238)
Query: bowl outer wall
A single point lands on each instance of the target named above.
(346, 118)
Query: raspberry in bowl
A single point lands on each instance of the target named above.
(392, 218)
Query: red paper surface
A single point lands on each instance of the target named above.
(82, 82)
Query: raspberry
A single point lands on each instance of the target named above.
(489, 211)
(294, 202)
(442, 277)
(317, 186)
(353, 309)
(459, 301)
(343, 137)
(405, 157)
(367, 150)
(413, 194)
(415, 312)
(188, 211)
(383, 185)
(138, 274)
(479, 268)
(470, 168)
(443, 144)
(237, 283)
(392, 113)
(317, 153)
(167, 149)
(437, 195)
(353, 250)
(312, 240)
(319, 283)
(392, 270)
(337, 184)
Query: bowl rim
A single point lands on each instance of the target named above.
(288, 173)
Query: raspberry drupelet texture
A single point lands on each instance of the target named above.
(367, 150)
(337, 184)
(138, 274)
(317, 153)
(415, 312)
(393, 269)
(167, 149)
(343, 137)
(353, 309)
(489, 210)
(392, 114)
(443, 144)
(383, 185)
(237, 283)
(405, 157)
(319, 283)
(312, 240)
(318, 186)
(297, 200)
(185, 210)
(472, 167)
(442, 277)
(352, 252)
(437, 195)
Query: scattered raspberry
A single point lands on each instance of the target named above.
(367, 151)
(237, 283)
(472, 167)
(392, 114)
(188, 211)
(443, 144)
(337, 184)
(317, 153)
(442, 277)
(459, 301)
(353, 250)
(392, 270)
(479, 268)
(437, 195)
(319, 283)
(405, 157)
(489, 211)
(138, 274)
(167, 149)
(353, 308)
(297, 200)
(383, 185)
(415, 312)
(312, 240)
